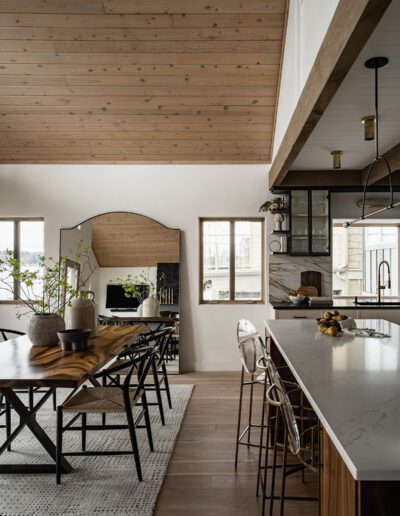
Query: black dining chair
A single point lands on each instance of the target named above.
(110, 399)
(7, 335)
(5, 408)
(160, 340)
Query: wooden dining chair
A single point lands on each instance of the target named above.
(110, 399)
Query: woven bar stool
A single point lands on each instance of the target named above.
(301, 444)
(253, 356)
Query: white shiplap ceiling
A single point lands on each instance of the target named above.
(340, 126)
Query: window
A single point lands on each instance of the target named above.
(357, 252)
(232, 260)
(25, 237)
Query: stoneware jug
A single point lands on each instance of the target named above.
(42, 329)
(83, 313)
(151, 307)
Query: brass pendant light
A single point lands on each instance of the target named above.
(374, 64)
(369, 127)
(337, 159)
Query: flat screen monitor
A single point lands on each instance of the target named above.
(116, 297)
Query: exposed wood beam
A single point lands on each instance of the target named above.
(351, 27)
(380, 171)
(322, 178)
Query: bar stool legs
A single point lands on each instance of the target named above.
(282, 445)
(264, 423)
(246, 433)
(273, 467)
(239, 418)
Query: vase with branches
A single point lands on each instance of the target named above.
(43, 292)
(133, 285)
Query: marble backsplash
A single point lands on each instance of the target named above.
(285, 272)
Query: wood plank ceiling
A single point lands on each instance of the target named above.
(139, 81)
(131, 240)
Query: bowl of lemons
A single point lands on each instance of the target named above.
(329, 324)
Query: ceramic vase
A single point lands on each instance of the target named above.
(278, 219)
(139, 311)
(42, 329)
(151, 307)
(83, 313)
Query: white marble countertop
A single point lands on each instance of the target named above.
(353, 384)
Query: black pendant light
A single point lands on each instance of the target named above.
(374, 64)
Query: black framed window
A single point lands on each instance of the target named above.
(25, 238)
(232, 265)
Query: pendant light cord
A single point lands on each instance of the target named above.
(376, 115)
(377, 64)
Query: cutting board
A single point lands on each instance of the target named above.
(311, 279)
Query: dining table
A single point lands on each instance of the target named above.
(23, 365)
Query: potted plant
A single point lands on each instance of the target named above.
(274, 204)
(43, 291)
(149, 305)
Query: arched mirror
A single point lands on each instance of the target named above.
(125, 258)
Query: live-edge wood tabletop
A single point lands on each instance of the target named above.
(24, 365)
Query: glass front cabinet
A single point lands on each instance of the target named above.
(310, 228)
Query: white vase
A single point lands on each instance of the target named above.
(151, 307)
(82, 313)
(139, 311)
(278, 219)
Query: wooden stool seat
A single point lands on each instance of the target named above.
(103, 400)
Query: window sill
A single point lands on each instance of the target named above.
(10, 302)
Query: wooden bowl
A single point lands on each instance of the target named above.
(74, 340)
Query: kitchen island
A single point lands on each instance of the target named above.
(353, 384)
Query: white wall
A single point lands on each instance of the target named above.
(174, 195)
(308, 21)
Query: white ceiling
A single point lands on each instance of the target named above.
(340, 126)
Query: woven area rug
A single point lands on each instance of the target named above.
(98, 485)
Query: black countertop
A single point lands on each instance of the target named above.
(336, 304)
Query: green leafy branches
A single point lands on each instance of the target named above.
(133, 285)
(44, 288)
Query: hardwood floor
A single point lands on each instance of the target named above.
(201, 478)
